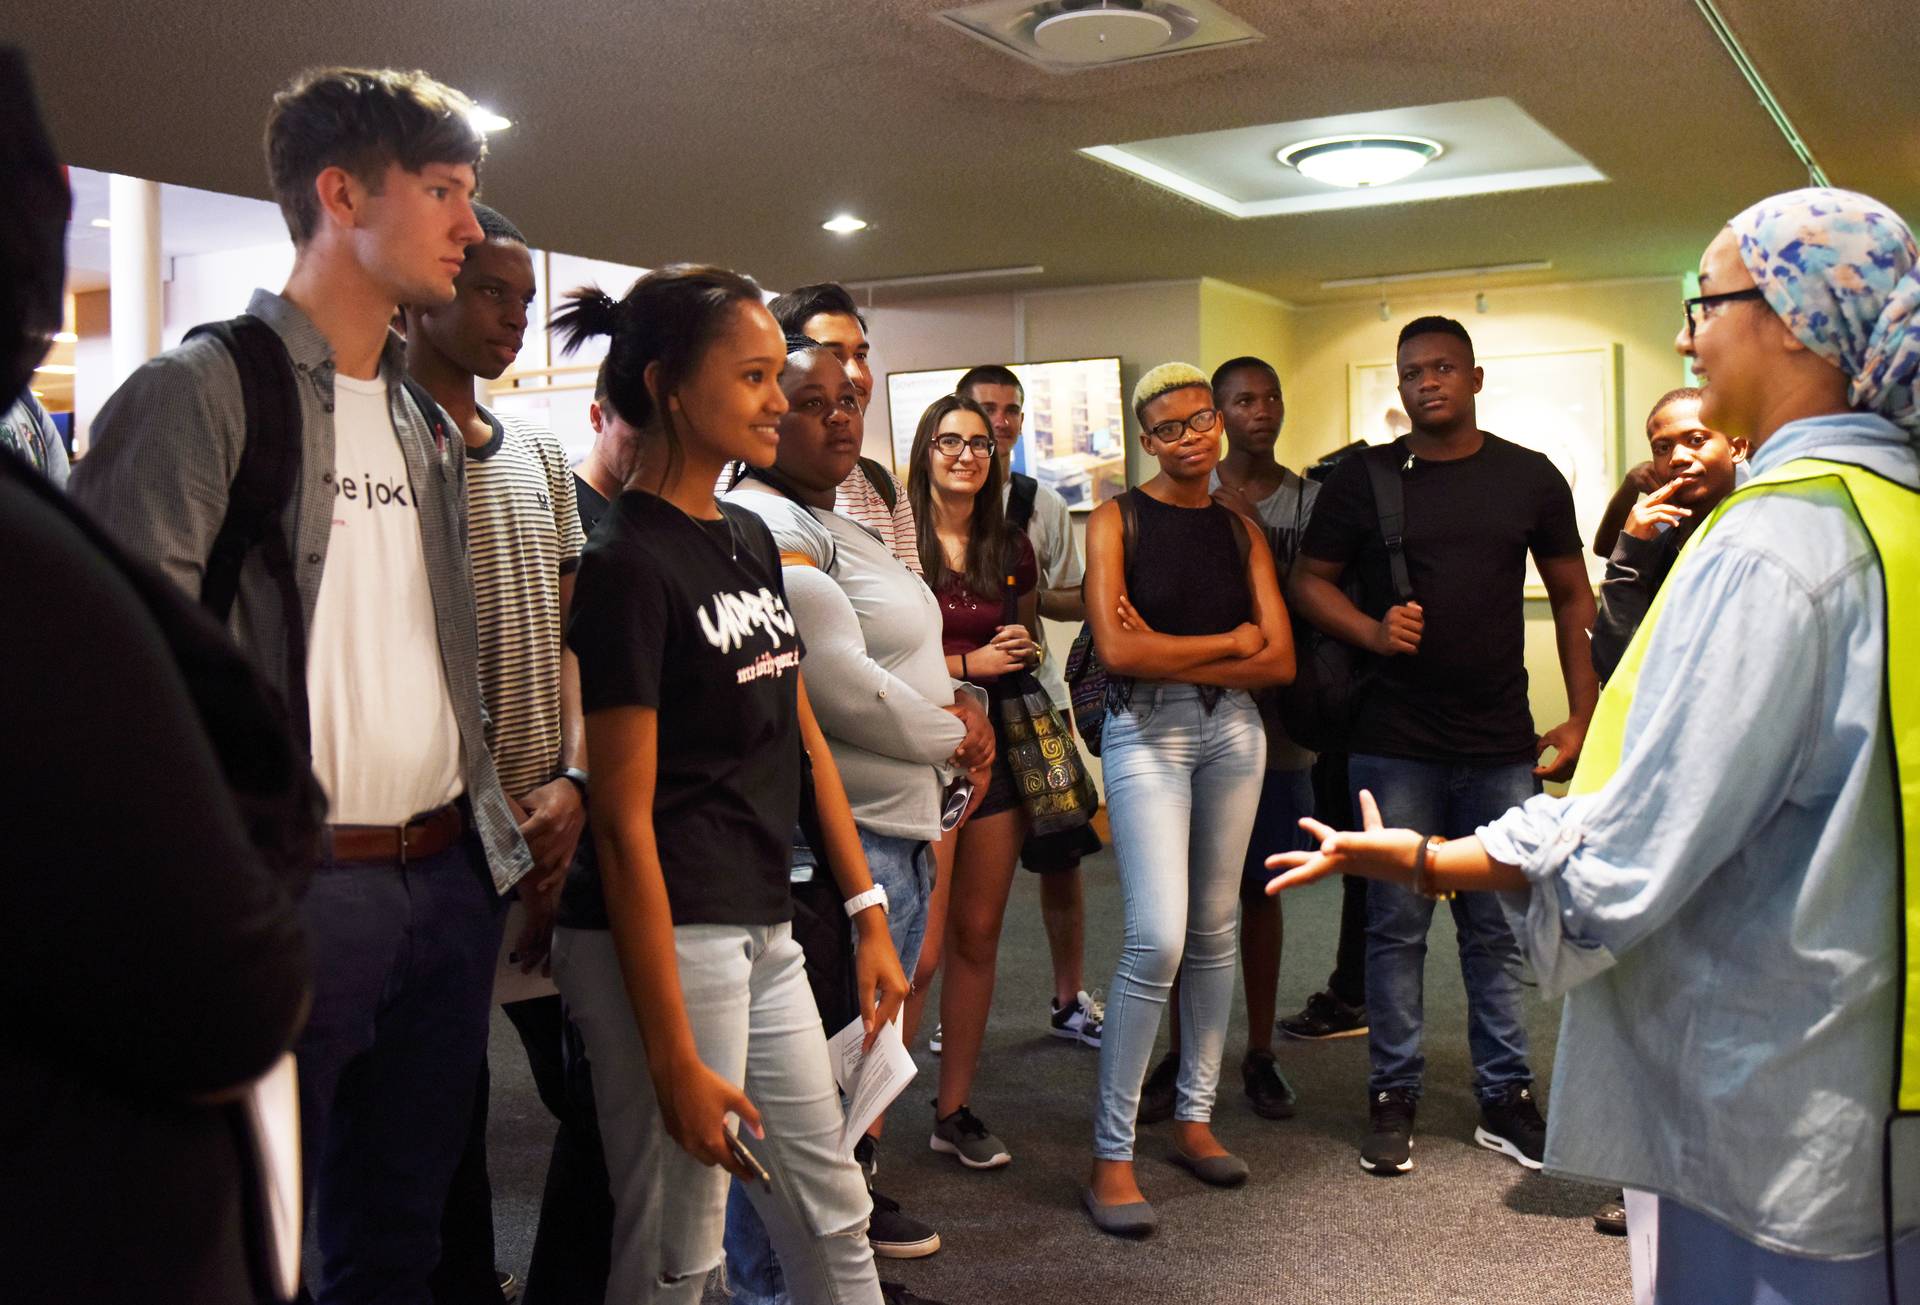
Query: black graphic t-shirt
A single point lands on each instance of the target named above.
(689, 617)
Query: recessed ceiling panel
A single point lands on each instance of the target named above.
(1490, 145)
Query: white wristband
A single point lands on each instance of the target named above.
(874, 896)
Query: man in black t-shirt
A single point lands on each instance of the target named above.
(1442, 736)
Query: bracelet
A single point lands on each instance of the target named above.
(1422, 885)
(576, 777)
(963, 666)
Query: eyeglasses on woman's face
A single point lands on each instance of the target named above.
(1171, 433)
(952, 446)
(1699, 307)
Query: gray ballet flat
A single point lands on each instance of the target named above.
(1214, 1170)
(1133, 1219)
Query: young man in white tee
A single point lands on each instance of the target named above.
(357, 604)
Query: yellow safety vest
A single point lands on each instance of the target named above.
(1890, 515)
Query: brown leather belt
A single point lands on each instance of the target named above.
(416, 840)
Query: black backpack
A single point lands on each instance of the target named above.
(263, 486)
(1330, 675)
(1023, 490)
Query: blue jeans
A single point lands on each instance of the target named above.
(1182, 787)
(1451, 800)
(403, 985)
(904, 867)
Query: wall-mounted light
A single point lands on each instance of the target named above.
(1370, 159)
(1480, 303)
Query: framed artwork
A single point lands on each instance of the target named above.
(1564, 404)
(1074, 437)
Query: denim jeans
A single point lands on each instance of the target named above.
(1182, 787)
(904, 867)
(1452, 800)
(754, 1023)
(403, 987)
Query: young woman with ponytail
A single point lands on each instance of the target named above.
(675, 949)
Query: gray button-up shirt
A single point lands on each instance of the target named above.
(164, 451)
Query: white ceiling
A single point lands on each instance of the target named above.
(192, 221)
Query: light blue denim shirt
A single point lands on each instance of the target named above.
(1722, 915)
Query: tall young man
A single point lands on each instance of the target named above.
(1443, 737)
(525, 541)
(1073, 1015)
(872, 495)
(374, 171)
(1251, 481)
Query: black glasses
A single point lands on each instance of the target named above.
(1703, 302)
(1179, 432)
(951, 446)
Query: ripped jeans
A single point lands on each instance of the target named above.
(755, 1023)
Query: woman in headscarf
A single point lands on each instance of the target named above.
(1720, 894)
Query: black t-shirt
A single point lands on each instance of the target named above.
(592, 504)
(690, 618)
(1469, 526)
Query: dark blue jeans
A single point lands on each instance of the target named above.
(1452, 800)
(403, 979)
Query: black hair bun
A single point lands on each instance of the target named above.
(589, 312)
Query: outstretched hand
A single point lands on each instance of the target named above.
(1371, 851)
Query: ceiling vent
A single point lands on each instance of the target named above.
(1074, 35)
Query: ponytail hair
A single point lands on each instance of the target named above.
(667, 320)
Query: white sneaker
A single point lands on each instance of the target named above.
(1080, 1022)
(933, 1043)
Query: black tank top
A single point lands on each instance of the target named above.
(1187, 573)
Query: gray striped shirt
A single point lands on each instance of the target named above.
(164, 451)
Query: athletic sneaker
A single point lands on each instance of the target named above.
(967, 1140)
(1080, 1022)
(895, 1235)
(1611, 1218)
(1325, 1016)
(1511, 1125)
(1158, 1092)
(1388, 1147)
(933, 1043)
(1268, 1091)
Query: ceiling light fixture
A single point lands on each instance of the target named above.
(1437, 274)
(103, 223)
(486, 120)
(65, 337)
(1101, 32)
(54, 369)
(845, 224)
(1361, 159)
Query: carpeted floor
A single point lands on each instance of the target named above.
(1466, 1227)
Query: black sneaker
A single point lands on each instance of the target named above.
(894, 1293)
(895, 1235)
(962, 1136)
(1325, 1016)
(867, 1157)
(1157, 1093)
(509, 1285)
(1267, 1088)
(1512, 1125)
(1388, 1147)
(1611, 1218)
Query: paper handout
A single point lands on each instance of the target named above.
(870, 1080)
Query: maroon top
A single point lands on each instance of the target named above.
(968, 620)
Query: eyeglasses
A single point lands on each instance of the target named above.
(1703, 302)
(1179, 432)
(951, 446)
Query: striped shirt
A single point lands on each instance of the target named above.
(523, 534)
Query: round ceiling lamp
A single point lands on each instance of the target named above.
(1102, 32)
(1361, 159)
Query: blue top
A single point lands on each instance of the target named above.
(1722, 915)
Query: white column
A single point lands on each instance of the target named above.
(133, 205)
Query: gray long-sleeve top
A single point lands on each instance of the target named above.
(875, 674)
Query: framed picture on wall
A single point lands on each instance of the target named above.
(1564, 404)
(1073, 439)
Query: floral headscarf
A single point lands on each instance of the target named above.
(1840, 269)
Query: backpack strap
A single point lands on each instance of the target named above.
(881, 480)
(1389, 500)
(1020, 500)
(431, 411)
(263, 485)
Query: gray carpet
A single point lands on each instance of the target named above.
(1467, 1226)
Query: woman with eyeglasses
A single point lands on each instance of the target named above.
(1187, 617)
(982, 571)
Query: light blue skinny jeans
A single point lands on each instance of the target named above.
(1183, 785)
